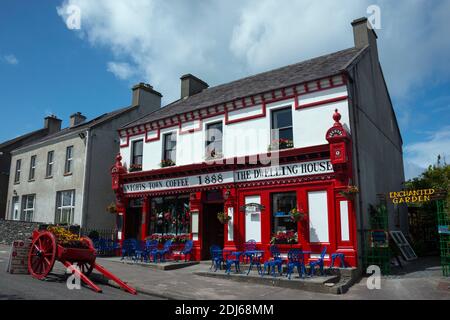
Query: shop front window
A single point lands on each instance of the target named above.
(284, 229)
(169, 216)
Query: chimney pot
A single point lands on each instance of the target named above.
(191, 85)
(146, 97)
(52, 124)
(76, 119)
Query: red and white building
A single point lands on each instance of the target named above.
(259, 147)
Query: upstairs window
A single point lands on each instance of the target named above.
(17, 173)
(49, 169)
(32, 168)
(69, 159)
(214, 142)
(170, 149)
(136, 155)
(282, 135)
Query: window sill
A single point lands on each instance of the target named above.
(67, 174)
(49, 177)
(17, 182)
(31, 180)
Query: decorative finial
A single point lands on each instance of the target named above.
(336, 117)
(119, 160)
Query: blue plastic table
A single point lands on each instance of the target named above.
(255, 259)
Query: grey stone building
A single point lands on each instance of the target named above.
(51, 125)
(64, 177)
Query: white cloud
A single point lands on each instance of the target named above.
(10, 59)
(121, 70)
(220, 41)
(419, 155)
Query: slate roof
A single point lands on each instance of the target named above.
(80, 127)
(22, 137)
(313, 69)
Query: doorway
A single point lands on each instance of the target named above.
(212, 229)
(133, 223)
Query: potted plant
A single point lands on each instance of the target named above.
(279, 144)
(167, 163)
(349, 192)
(135, 167)
(284, 237)
(223, 217)
(111, 208)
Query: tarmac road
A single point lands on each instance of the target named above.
(25, 287)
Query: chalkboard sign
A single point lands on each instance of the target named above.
(379, 239)
(403, 244)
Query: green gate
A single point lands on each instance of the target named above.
(444, 235)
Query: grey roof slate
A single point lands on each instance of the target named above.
(320, 67)
(80, 127)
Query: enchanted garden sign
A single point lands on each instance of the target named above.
(411, 196)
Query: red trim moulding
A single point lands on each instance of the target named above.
(158, 135)
(321, 102)
(264, 103)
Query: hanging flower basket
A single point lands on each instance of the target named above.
(350, 192)
(112, 208)
(297, 215)
(223, 217)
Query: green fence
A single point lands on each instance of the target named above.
(444, 235)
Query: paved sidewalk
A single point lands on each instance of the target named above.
(419, 282)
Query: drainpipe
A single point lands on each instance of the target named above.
(354, 106)
(85, 180)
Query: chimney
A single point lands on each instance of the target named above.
(364, 35)
(52, 124)
(191, 85)
(76, 119)
(145, 96)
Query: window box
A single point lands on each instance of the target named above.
(167, 163)
(135, 167)
(280, 144)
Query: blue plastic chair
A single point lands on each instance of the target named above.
(233, 259)
(339, 255)
(139, 254)
(161, 254)
(295, 260)
(216, 257)
(249, 246)
(276, 261)
(319, 262)
(128, 248)
(187, 250)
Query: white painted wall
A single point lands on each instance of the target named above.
(253, 220)
(250, 136)
(318, 216)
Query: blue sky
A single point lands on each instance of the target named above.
(47, 68)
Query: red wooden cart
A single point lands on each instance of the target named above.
(45, 250)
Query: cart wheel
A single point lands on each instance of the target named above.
(87, 267)
(41, 257)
